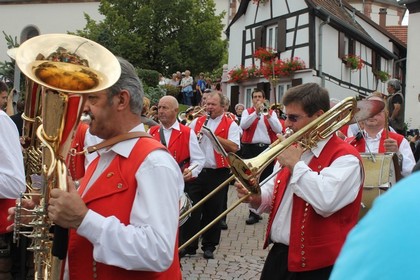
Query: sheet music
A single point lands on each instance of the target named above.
(213, 139)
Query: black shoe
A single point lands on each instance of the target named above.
(186, 251)
(223, 225)
(208, 254)
(253, 219)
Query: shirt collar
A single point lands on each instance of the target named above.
(124, 148)
(320, 146)
(175, 126)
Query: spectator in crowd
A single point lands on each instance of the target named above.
(200, 87)
(3, 95)
(187, 87)
(239, 108)
(396, 106)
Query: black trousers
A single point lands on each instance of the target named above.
(206, 182)
(253, 150)
(275, 267)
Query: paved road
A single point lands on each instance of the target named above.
(239, 255)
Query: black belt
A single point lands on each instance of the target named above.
(261, 145)
(214, 169)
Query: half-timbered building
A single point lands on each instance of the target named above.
(321, 33)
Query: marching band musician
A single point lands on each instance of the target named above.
(180, 140)
(12, 183)
(118, 229)
(216, 170)
(259, 131)
(376, 140)
(315, 199)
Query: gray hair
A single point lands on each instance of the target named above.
(395, 84)
(239, 104)
(131, 82)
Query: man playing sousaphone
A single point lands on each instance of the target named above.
(117, 227)
(315, 198)
(378, 139)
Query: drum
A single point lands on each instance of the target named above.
(185, 203)
(381, 172)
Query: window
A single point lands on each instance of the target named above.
(281, 90)
(346, 45)
(272, 33)
(248, 97)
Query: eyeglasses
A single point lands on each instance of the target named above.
(293, 118)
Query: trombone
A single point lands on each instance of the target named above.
(248, 171)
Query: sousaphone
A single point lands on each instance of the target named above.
(67, 68)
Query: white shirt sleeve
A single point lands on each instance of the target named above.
(12, 175)
(196, 155)
(408, 161)
(275, 123)
(247, 119)
(333, 188)
(148, 242)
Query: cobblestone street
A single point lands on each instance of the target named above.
(239, 255)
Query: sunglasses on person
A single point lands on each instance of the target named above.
(292, 117)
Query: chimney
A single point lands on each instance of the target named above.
(382, 17)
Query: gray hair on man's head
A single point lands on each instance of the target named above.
(131, 82)
(395, 84)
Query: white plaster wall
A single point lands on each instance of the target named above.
(47, 18)
(412, 97)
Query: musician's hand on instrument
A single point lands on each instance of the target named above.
(67, 209)
(25, 204)
(187, 174)
(254, 200)
(391, 145)
(290, 156)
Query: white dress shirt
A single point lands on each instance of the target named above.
(148, 242)
(207, 146)
(261, 132)
(12, 174)
(196, 155)
(408, 161)
(327, 192)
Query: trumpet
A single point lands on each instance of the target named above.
(263, 110)
(191, 117)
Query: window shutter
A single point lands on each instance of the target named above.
(258, 38)
(281, 36)
(234, 97)
(341, 46)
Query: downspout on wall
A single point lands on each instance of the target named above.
(320, 35)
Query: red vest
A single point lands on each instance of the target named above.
(315, 241)
(179, 143)
(360, 145)
(76, 163)
(99, 197)
(222, 130)
(5, 204)
(248, 133)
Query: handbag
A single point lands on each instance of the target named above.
(187, 89)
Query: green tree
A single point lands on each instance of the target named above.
(7, 68)
(163, 35)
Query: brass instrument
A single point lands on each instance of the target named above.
(63, 87)
(196, 114)
(200, 133)
(264, 110)
(248, 171)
